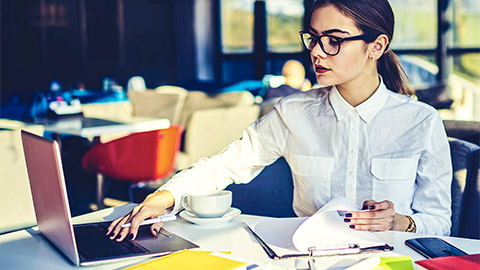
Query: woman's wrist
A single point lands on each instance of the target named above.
(162, 198)
(404, 223)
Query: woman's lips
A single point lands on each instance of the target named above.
(321, 69)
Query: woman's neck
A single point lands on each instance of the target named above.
(360, 89)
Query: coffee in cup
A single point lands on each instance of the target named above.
(211, 204)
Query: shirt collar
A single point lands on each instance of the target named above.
(366, 109)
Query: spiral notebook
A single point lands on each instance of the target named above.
(322, 234)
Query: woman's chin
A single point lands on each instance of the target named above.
(322, 81)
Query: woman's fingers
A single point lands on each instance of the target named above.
(118, 227)
(153, 206)
(380, 216)
(368, 205)
(135, 222)
(155, 228)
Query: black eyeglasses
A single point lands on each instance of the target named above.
(330, 44)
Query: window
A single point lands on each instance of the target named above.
(284, 20)
(464, 16)
(237, 26)
(415, 24)
(465, 33)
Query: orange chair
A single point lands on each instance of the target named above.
(139, 158)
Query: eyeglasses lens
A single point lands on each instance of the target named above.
(328, 44)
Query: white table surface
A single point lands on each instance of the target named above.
(26, 249)
(94, 127)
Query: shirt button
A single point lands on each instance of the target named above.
(352, 151)
(350, 173)
(350, 196)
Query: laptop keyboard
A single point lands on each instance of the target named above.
(93, 244)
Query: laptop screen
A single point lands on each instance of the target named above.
(45, 172)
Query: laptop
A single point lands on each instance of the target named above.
(83, 244)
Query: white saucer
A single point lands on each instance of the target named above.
(232, 213)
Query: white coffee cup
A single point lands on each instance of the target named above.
(211, 204)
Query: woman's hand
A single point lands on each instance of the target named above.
(152, 207)
(380, 216)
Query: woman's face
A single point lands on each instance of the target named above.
(350, 63)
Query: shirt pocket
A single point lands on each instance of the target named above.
(310, 166)
(394, 168)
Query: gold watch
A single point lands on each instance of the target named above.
(412, 227)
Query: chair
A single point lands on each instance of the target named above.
(138, 158)
(268, 194)
(163, 102)
(465, 189)
(212, 122)
(465, 130)
(15, 197)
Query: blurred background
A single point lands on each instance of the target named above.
(210, 45)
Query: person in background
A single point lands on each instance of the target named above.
(362, 136)
(294, 74)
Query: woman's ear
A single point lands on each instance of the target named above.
(379, 46)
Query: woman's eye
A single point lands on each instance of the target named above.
(333, 42)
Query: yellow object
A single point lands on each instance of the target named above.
(395, 263)
(189, 260)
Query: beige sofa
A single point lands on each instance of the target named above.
(16, 211)
(212, 122)
(163, 102)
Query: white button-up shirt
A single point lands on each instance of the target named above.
(390, 147)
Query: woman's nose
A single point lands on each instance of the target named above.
(317, 51)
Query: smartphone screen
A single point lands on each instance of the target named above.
(432, 247)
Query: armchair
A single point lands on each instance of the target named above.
(17, 211)
(212, 122)
(137, 158)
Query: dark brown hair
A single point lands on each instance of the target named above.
(375, 17)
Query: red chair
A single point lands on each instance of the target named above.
(138, 158)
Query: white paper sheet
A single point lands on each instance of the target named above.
(326, 229)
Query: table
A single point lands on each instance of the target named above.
(27, 249)
(95, 127)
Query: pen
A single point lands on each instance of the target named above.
(311, 264)
(153, 220)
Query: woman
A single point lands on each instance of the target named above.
(363, 137)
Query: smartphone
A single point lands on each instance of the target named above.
(432, 247)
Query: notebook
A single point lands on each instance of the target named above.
(84, 244)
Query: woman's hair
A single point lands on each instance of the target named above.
(375, 17)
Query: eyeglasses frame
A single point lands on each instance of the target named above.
(364, 37)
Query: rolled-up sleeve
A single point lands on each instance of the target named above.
(261, 144)
(432, 197)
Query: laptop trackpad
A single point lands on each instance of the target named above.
(164, 241)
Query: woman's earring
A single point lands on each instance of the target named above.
(372, 58)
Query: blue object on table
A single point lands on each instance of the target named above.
(91, 96)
